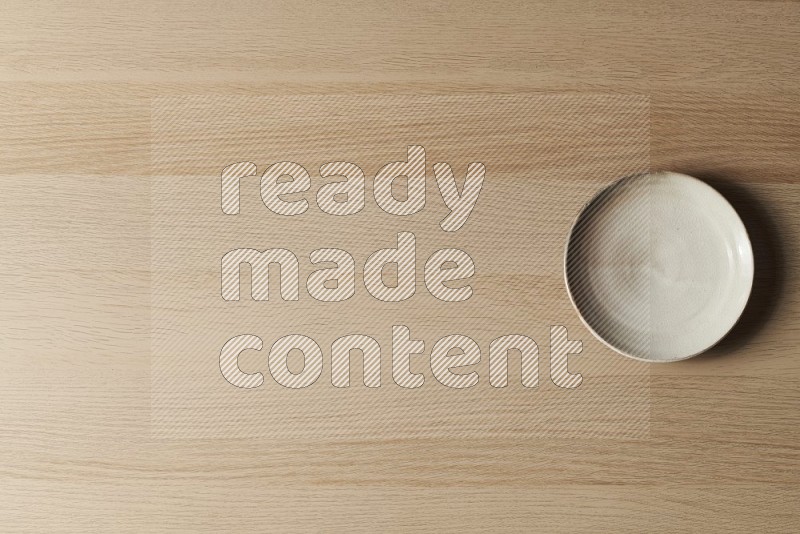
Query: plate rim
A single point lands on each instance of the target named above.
(638, 176)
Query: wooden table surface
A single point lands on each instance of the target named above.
(77, 86)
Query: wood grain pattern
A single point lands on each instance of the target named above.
(76, 85)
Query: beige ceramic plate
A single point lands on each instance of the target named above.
(659, 266)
